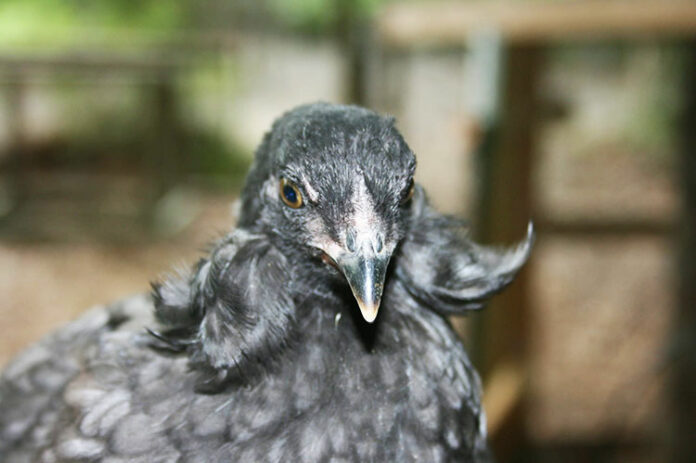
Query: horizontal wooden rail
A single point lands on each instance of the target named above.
(584, 227)
(447, 23)
(90, 62)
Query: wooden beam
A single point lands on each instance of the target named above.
(505, 160)
(89, 61)
(502, 395)
(683, 338)
(505, 201)
(584, 227)
(447, 23)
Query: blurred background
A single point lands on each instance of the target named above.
(126, 129)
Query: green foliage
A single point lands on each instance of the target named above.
(70, 22)
(311, 15)
(128, 137)
(66, 23)
(319, 16)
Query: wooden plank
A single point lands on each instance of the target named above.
(447, 23)
(353, 39)
(89, 61)
(504, 209)
(683, 338)
(584, 227)
(502, 395)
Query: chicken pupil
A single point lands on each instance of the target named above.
(290, 194)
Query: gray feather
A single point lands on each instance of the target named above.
(259, 353)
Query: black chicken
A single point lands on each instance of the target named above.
(260, 353)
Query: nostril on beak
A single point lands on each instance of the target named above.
(378, 244)
(350, 241)
(355, 243)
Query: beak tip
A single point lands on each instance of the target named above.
(365, 276)
(369, 312)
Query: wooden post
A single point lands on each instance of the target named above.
(168, 156)
(165, 162)
(504, 209)
(16, 93)
(683, 389)
(353, 37)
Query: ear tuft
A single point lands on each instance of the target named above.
(442, 268)
(233, 315)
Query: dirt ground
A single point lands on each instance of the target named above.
(45, 285)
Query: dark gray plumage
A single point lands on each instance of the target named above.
(261, 353)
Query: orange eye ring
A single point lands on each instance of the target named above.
(290, 194)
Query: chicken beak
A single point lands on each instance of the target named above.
(365, 275)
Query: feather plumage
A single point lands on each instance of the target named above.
(259, 353)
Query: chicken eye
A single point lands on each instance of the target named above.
(409, 192)
(290, 194)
